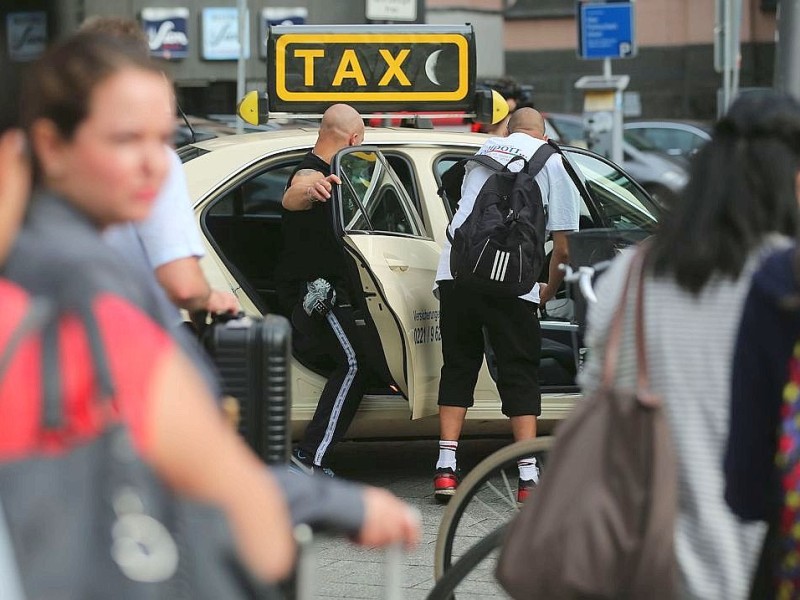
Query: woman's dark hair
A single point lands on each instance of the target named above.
(60, 85)
(742, 187)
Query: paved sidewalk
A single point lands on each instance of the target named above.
(405, 468)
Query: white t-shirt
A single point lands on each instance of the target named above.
(168, 234)
(559, 194)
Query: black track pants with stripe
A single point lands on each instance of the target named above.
(334, 336)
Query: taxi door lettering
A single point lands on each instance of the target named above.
(349, 68)
(308, 55)
(393, 67)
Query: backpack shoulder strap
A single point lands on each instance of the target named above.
(487, 161)
(454, 176)
(450, 189)
(37, 313)
(52, 403)
(541, 156)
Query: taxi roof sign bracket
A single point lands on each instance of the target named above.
(491, 108)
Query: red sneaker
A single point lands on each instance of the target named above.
(445, 482)
(524, 489)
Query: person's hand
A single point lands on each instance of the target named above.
(15, 184)
(320, 190)
(544, 294)
(388, 520)
(222, 302)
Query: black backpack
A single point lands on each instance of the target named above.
(499, 249)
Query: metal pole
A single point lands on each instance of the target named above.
(787, 65)
(241, 6)
(615, 152)
(726, 58)
(736, 48)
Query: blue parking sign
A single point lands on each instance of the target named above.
(606, 30)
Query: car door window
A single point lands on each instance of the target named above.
(440, 166)
(402, 167)
(373, 199)
(244, 223)
(618, 198)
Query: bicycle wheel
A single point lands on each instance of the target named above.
(485, 500)
(464, 566)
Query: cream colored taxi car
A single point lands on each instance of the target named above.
(391, 222)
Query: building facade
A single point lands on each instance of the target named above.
(534, 41)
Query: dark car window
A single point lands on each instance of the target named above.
(441, 165)
(187, 153)
(670, 139)
(259, 195)
(244, 223)
(639, 140)
(405, 173)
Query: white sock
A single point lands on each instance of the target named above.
(447, 454)
(528, 471)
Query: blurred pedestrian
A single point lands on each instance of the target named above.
(166, 245)
(698, 269)
(762, 446)
(95, 168)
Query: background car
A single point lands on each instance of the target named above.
(391, 223)
(662, 175)
(676, 138)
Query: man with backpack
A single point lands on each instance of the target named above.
(515, 190)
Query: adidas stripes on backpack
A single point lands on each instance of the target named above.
(499, 249)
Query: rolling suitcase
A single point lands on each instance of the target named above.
(252, 357)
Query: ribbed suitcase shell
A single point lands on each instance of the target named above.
(253, 363)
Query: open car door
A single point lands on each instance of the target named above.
(396, 260)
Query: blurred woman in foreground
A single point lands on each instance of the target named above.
(99, 116)
(100, 158)
(740, 197)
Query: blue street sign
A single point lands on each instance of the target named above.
(606, 30)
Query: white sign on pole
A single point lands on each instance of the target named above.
(220, 28)
(392, 10)
(27, 34)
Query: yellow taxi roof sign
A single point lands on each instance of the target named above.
(374, 68)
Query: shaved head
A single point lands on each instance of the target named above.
(341, 127)
(527, 120)
(341, 120)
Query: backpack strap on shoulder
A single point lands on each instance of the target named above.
(52, 404)
(39, 310)
(488, 162)
(541, 156)
(452, 179)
